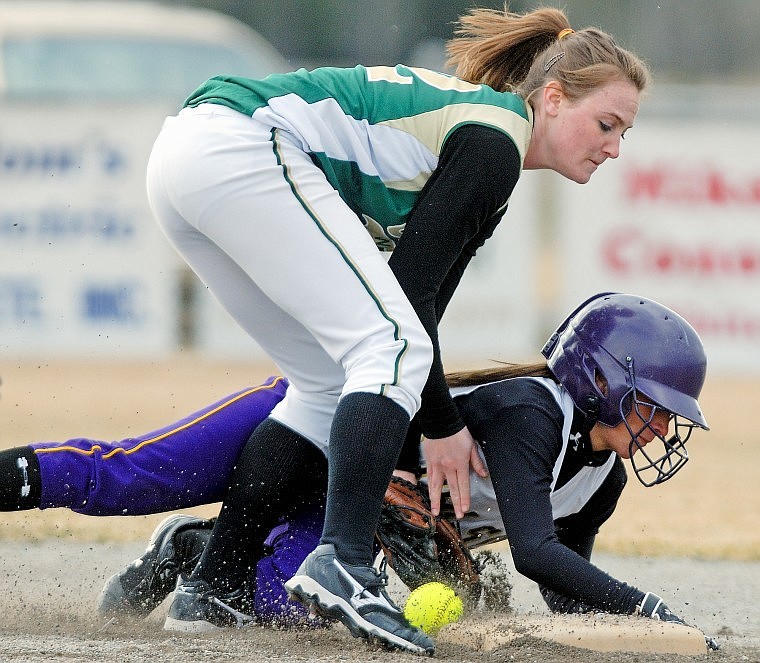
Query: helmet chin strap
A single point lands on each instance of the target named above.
(591, 410)
(590, 416)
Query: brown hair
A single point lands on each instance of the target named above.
(501, 372)
(521, 52)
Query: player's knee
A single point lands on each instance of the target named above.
(394, 365)
(420, 353)
(412, 373)
(417, 342)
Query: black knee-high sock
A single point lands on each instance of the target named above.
(20, 482)
(365, 440)
(409, 458)
(189, 545)
(278, 471)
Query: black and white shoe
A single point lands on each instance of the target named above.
(197, 608)
(355, 596)
(144, 583)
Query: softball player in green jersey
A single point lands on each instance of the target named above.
(279, 192)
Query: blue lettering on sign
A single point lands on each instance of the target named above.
(53, 159)
(115, 303)
(20, 302)
(112, 159)
(44, 159)
(58, 224)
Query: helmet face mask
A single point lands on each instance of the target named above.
(648, 356)
(651, 470)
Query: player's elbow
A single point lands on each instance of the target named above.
(533, 563)
(529, 567)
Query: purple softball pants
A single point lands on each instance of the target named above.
(185, 464)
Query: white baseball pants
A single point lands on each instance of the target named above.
(261, 226)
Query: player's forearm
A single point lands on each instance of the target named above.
(569, 575)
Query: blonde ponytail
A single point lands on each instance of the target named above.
(521, 52)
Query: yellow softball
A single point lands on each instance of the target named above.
(431, 606)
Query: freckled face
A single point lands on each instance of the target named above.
(587, 132)
(618, 439)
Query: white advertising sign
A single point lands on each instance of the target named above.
(84, 268)
(676, 219)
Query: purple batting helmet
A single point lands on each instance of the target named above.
(640, 347)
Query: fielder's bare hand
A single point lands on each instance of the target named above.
(448, 459)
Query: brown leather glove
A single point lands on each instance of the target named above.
(418, 546)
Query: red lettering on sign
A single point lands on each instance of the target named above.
(736, 325)
(669, 183)
(630, 251)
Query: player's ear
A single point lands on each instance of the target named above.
(552, 96)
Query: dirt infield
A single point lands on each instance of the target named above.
(696, 540)
(48, 593)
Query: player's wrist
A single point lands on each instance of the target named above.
(654, 607)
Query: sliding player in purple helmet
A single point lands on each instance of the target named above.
(622, 376)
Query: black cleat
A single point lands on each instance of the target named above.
(143, 584)
(197, 608)
(355, 596)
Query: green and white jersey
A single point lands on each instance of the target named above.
(376, 132)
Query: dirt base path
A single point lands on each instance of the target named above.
(48, 592)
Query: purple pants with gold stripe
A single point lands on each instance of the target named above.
(185, 464)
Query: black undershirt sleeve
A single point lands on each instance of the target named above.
(458, 209)
(578, 532)
(521, 439)
(409, 460)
